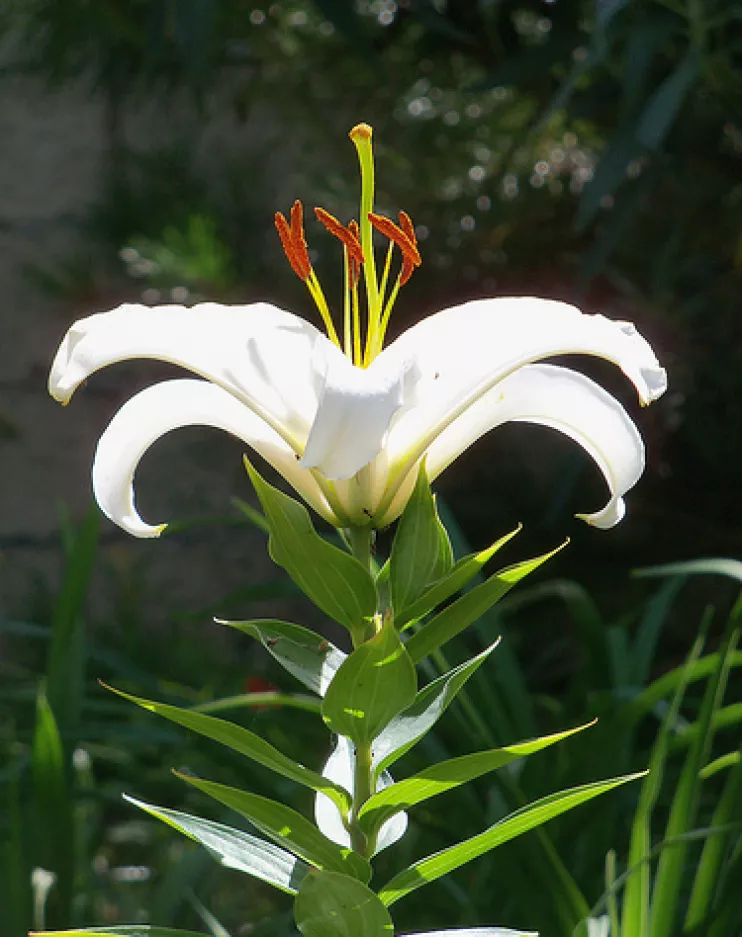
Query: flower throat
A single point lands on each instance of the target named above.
(358, 255)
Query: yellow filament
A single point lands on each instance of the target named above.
(347, 336)
(318, 296)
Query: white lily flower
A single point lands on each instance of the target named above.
(347, 427)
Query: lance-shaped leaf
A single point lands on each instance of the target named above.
(304, 653)
(247, 743)
(375, 684)
(121, 930)
(421, 552)
(476, 932)
(454, 581)
(521, 821)
(235, 849)
(442, 777)
(461, 613)
(406, 729)
(332, 905)
(333, 579)
(288, 828)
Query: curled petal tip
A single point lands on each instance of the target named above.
(611, 515)
(656, 379)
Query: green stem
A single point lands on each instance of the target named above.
(362, 790)
(360, 540)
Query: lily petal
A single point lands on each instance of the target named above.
(463, 351)
(340, 769)
(459, 354)
(166, 406)
(564, 400)
(355, 409)
(264, 356)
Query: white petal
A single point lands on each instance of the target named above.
(462, 352)
(261, 354)
(339, 768)
(355, 408)
(169, 405)
(564, 400)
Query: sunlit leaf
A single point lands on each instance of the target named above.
(245, 742)
(235, 849)
(433, 867)
(332, 905)
(288, 828)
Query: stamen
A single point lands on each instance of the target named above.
(297, 235)
(408, 265)
(389, 229)
(296, 259)
(295, 248)
(346, 235)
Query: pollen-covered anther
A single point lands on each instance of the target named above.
(293, 242)
(408, 264)
(349, 236)
(404, 239)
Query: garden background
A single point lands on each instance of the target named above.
(587, 151)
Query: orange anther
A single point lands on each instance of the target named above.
(389, 229)
(408, 264)
(354, 267)
(292, 240)
(346, 235)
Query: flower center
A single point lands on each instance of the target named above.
(360, 344)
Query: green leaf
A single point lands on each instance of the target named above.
(65, 664)
(54, 828)
(636, 898)
(372, 686)
(667, 886)
(333, 579)
(421, 551)
(442, 777)
(121, 930)
(710, 865)
(461, 613)
(304, 653)
(332, 905)
(713, 566)
(521, 821)
(454, 581)
(477, 932)
(406, 729)
(247, 743)
(663, 107)
(287, 828)
(234, 848)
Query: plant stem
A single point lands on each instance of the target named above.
(360, 540)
